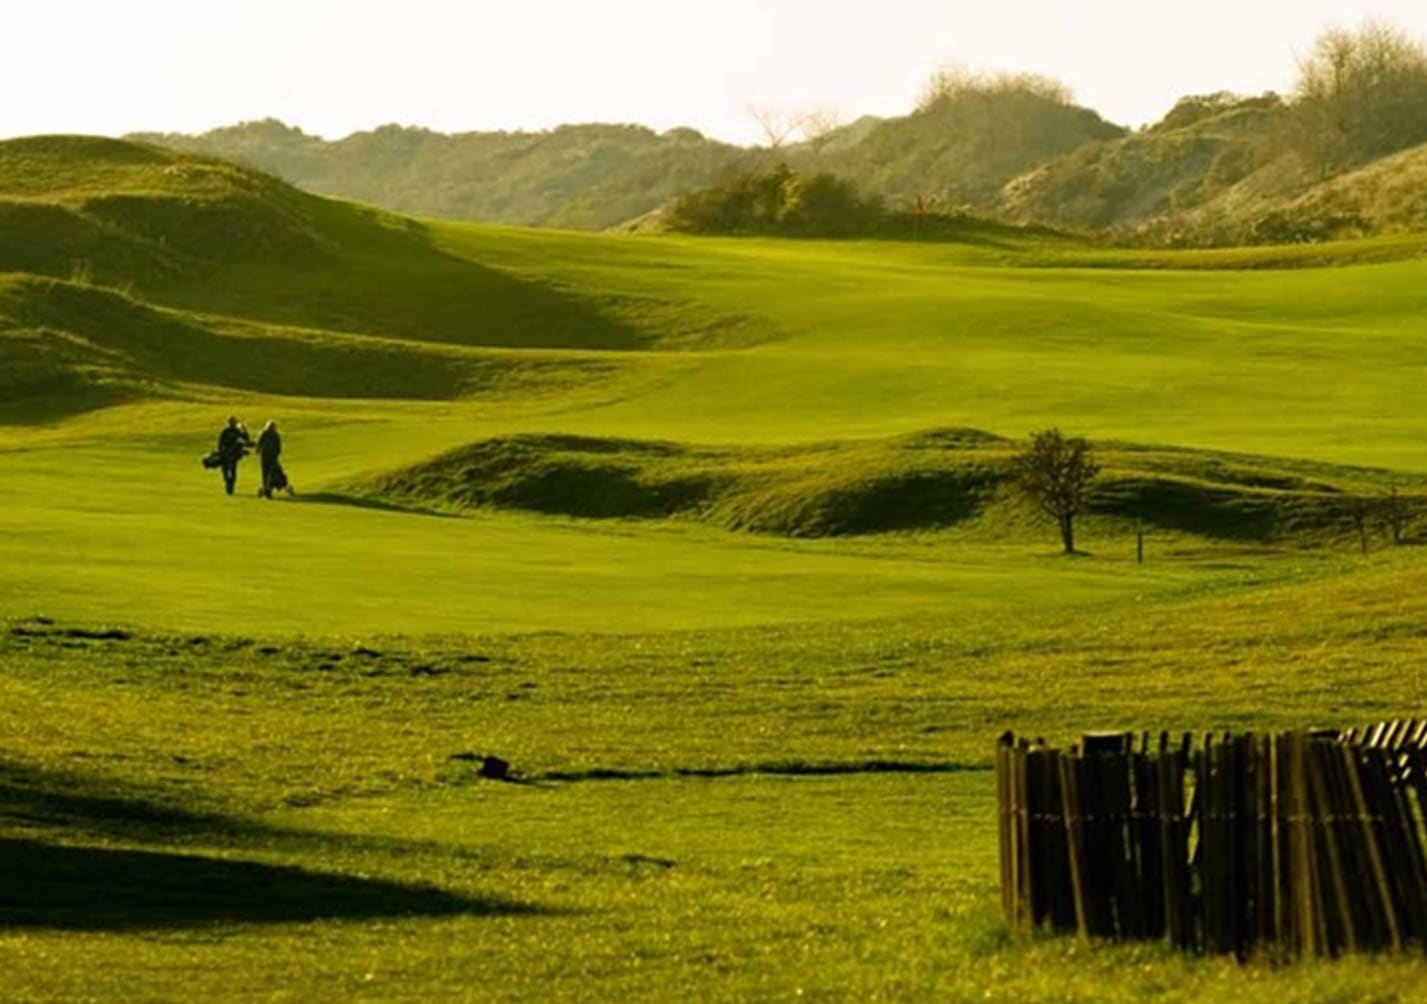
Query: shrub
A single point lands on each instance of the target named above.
(777, 201)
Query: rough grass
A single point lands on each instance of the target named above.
(324, 773)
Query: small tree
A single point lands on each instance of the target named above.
(1055, 473)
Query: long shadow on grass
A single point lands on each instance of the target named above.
(71, 884)
(64, 887)
(31, 797)
(362, 502)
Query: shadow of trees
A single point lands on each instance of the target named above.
(86, 888)
(77, 804)
(57, 872)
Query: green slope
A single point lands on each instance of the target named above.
(209, 236)
(133, 270)
(73, 346)
(874, 339)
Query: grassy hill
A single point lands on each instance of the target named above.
(1219, 174)
(1219, 171)
(589, 176)
(1178, 165)
(697, 533)
(208, 235)
(961, 149)
(134, 269)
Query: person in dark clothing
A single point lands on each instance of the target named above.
(269, 450)
(233, 445)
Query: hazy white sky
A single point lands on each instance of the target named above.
(336, 66)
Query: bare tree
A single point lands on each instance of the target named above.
(1361, 94)
(1055, 473)
(818, 123)
(781, 126)
(777, 124)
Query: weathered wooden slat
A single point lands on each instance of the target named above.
(1339, 920)
(1412, 825)
(1367, 771)
(1003, 822)
(1072, 810)
(1213, 866)
(1397, 734)
(1061, 897)
(1357, 923)
(1149, 857)
(1022, 822)
(1301, 866)
(1051, 906)
(1174, 849)
(1118, 863)
(1100, 899)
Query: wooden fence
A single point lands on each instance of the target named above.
(1301, 843)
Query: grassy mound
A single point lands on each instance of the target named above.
(807, 492)
(69, 347)
(46, 375)
(210, 236)
(123, 210)
(929, 481)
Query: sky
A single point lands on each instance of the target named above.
(333, 67)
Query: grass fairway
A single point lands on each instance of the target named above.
(874, 338)
(750, 706)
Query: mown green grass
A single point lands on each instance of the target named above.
(757, 763)
(870, 338)
(137, 533)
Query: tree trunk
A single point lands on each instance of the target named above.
(1067, 533)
